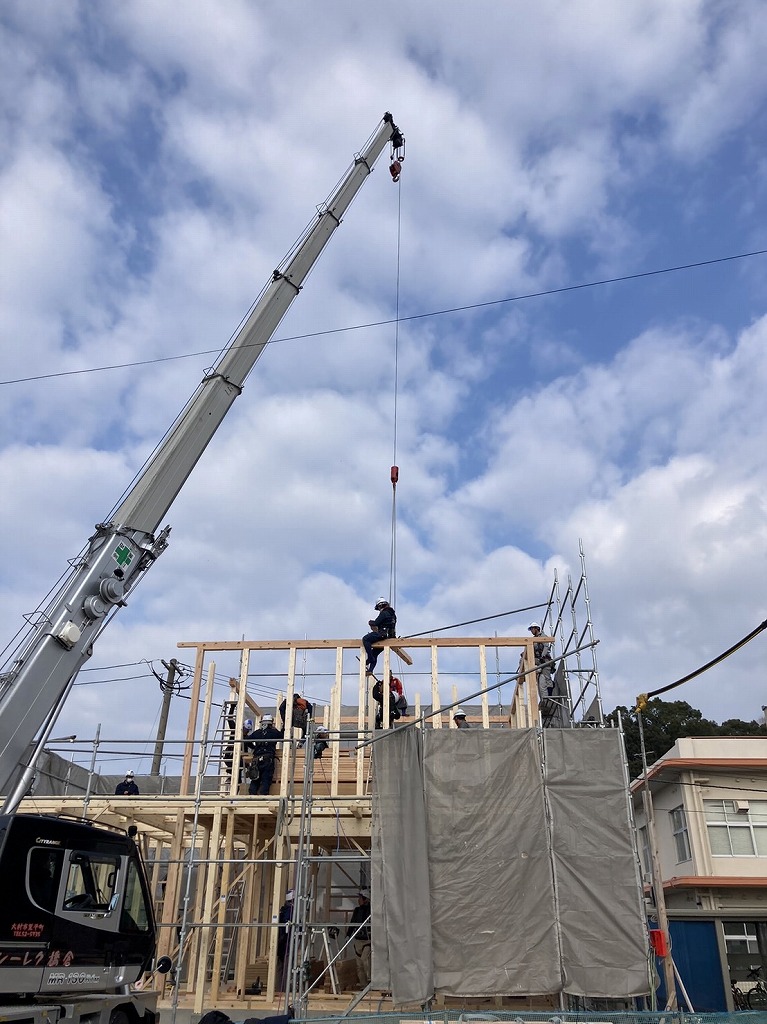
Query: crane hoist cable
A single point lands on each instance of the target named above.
(395, 169)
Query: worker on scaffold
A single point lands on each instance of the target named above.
(383, 627)
(542, 653)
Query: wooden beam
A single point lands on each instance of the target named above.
(354, 643)
(388, 645)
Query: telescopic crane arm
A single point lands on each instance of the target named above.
(121, 550)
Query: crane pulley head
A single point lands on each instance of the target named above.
(397, 150)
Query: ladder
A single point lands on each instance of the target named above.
(233, 917)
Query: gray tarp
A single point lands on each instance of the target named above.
(603, 938)
(400, 916)
(467, 876)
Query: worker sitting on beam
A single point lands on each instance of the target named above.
(383, 627)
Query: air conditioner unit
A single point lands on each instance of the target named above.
(741, 806)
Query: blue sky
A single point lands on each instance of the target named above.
(155, 168)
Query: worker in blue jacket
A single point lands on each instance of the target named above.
(383, 627)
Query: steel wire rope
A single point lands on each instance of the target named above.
(471, 622)
(394, 469)
(414, 316)
(643, 698)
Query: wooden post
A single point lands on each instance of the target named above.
(483, 684)
(194, 701)
(206, 895)
(436, 703)
(335, 720)
(362, 709)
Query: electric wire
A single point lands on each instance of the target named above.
(471, 622)
(106, 668)
(117, 679)
(639, 275)
(643, 698)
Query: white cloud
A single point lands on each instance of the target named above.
(151, 183)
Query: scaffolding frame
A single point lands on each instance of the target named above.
(220, 861)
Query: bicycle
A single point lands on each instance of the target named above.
(757, 996)
(739, 1000)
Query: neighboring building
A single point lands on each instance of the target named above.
(709, 795)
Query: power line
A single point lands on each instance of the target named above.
(643, 698)
(405, 319)
(106, 668)
(117, 679)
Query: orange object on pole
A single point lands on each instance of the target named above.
(394, 474)
(659, 942)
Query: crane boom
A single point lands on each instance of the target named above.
(121, 550)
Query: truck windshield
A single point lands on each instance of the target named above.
(91, 882)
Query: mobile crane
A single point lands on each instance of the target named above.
(76, 920)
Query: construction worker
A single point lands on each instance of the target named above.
(398, 695)
(377, 694)
(542, 653)
(263, 743)
(128, 787)
(321, 741)
(459, 717)
(285, 919)
(359, 932)
(383, 627)
(301, 713)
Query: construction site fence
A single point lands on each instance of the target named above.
(550, 1017)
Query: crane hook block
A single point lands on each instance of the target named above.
(394, 474)
(395, 169)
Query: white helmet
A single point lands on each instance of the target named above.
(266, 719)
(322, 729)
(459, 713)
(381, 603)
(534, 625)
(248, 724)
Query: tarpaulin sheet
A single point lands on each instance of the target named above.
(603, 937)
(401, 935)
(473, 895)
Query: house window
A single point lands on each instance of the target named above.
(681, 837)
(740, 937)
(644, 849)
(737, 828)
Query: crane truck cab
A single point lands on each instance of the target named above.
(76, 915)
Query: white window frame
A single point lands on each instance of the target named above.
(679, 830)
(724, 817)
(644, 850)
(749, 937)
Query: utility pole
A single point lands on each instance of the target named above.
(167, 693)
(657, 876)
